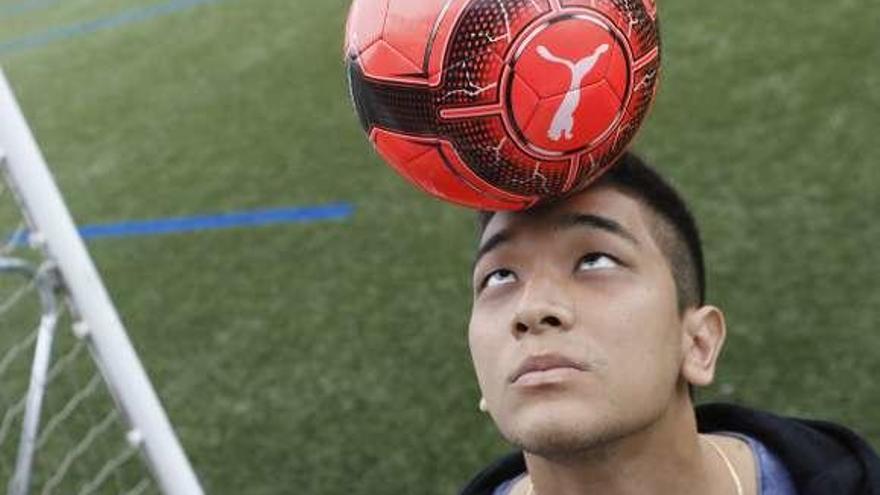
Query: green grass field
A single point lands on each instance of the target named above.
(331, 358)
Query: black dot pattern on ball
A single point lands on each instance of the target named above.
(645, 29)
(482, 142)
(645, 83)
(473, 61)
(474, 56)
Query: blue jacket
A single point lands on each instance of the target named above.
(823, 458)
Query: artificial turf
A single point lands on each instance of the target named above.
(332, 358)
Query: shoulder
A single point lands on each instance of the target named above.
(822, 457)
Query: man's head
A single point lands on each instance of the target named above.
(588, 322)
(674, 227)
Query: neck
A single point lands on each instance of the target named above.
(664, 457)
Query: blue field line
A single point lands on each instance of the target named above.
(252, 218)
(137, 14)
(302, 214)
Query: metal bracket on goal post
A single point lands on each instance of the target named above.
(46, 284)
(119, 364)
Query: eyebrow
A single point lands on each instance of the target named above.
(566, 221)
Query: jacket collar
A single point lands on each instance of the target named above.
(823, 458)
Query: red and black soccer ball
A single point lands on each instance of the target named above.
(502, 104)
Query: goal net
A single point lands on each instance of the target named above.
(78, 414)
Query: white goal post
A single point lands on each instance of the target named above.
(97, 322)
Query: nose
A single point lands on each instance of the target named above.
(543, 307)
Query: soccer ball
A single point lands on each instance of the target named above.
(502, 104)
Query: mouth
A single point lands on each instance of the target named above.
(544, 368)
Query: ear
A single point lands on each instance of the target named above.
(703, 337)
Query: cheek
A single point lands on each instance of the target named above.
(485, 345)
(642, 337)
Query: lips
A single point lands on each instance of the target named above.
(545, 362)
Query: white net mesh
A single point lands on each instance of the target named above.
(80, 443)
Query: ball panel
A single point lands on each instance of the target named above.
(472, 82)
(408, 26)
(618, 12)
(400, 149)
(551, 63)
(630, 17)
(382, 58)
(493, 156)
(618, 74)
(476, 51)
(472, 66)
(620, 139)
(600, 110)
(524, 101)
(459, 185)
(440, 39)
(644, 84)
(436, 168)
(555, 130)
(365, 23)
(593, 163)
(511, 17)
(650, 8)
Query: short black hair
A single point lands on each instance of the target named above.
(675, 231)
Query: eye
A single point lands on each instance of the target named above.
(597, 261)
(499, 277)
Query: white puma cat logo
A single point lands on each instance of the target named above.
(563, 121)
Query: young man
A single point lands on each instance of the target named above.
(588, 330)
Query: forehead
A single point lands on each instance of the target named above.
(604, 201)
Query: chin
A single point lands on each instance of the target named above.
(561, 430)
(565, 429)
